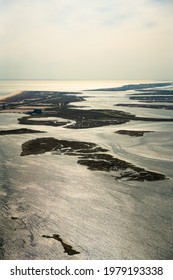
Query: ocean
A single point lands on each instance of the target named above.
(49, 197)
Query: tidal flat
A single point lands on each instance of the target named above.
(97, 184)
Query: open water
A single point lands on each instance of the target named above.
(100, 217)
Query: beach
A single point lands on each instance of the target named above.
(87, 174)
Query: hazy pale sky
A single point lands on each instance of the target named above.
(86, 39)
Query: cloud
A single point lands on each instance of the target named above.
(85, 39)
(163, 1)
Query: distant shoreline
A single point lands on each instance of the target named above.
(3, 98)
(134, 87)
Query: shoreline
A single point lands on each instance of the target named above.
(91, 155)
(10, 95)
(109, 184)
(57, 104)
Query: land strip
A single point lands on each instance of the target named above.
(93, 156)
(19, 131)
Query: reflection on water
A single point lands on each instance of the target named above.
(102, 218)
(10, 86)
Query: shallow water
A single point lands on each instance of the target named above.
(98, 216)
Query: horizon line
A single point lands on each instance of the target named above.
(30, 79)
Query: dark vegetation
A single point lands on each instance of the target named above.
(93, 156)
(19, 131)
(135, 133)
(67, 248)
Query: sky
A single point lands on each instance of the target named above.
(86, 39)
